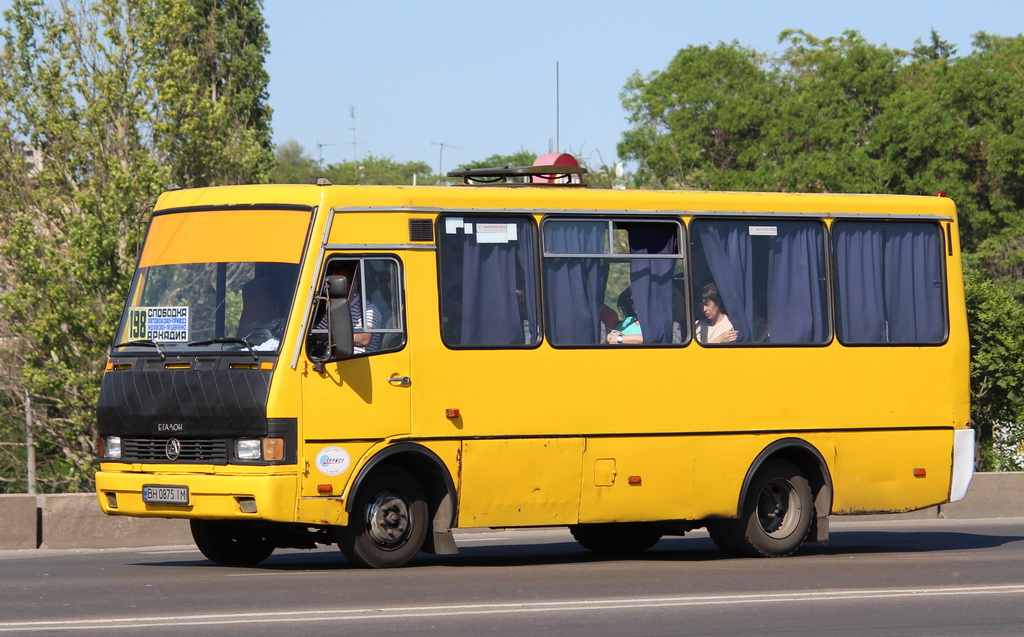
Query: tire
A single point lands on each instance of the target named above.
(231, 542)
(388, 523)
(776, 516)
(616, 538)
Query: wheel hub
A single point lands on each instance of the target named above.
(387, 520)
(777, 506)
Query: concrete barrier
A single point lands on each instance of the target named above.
(18, 522)
(74, 520)
(65, 521)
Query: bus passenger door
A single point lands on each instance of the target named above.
(351, 404)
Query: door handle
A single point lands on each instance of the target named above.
(401, 380)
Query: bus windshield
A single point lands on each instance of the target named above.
(214, 281)
(208, 306)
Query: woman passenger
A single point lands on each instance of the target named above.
(628, 331)
(715, 327)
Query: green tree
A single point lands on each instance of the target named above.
(996, 322)
(108, 95)
(293, 165)
(205, 61)
(379, 171)
(519, 158)
(700, 122)
(822, 138)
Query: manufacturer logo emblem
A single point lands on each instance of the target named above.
(173, 449)
(332, 461)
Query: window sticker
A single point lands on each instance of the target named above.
(764, 231)
(496, 232)
(452, 225)
(168, 324)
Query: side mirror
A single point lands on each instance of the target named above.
(339, 326)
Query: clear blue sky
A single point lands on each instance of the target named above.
(480, 77)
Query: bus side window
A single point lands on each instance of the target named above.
(488, 283)
(890, 282)
(766, 276)
(375, 304)
(593, 266)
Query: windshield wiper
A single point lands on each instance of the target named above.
(144, 343)
(222, 339)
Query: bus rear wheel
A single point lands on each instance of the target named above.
(776, 516)
(388, 523)
(231, 542)
(622, 538)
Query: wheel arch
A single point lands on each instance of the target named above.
(434, 478)
(812, 464)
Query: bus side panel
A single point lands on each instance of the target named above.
(875, 471)
(636, 479)
(525, 482)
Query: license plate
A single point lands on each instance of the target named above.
(164, 494)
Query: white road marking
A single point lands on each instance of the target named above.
(454, 610)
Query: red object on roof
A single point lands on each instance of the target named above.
(555, 159)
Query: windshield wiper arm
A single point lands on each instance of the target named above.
(144, 343)
(222, 339)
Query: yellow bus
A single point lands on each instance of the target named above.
(374, 366)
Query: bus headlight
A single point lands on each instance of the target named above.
(112, 447)
(247, 449)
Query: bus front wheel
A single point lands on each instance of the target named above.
(231, 542)
(776, 516)
(388, 523)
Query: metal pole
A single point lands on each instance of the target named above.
(30, 445)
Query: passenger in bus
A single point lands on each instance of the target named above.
(715, 327)
(628, 331)
(364, 341)
(262, 319)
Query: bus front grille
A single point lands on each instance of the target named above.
(210, 451)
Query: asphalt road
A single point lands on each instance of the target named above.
(916, 577)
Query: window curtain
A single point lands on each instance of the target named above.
(889, 280)
(913, 287)
(796, 284)
(727, 248)
(492, 312)
(575, 286)
(651, 279)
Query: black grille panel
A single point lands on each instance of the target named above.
(212, 451)
(421, 230)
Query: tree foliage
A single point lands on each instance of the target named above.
(118, 98)
(293, 165)
(840, 114)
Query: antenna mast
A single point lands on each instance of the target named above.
(558, 112)
(355, 160)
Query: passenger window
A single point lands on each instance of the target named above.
(375, 304)
(488, 282)
(759, 281)
(614, 282)
(889, 282)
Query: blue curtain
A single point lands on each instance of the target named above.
(492, 311)
(575, 286)
(889, 282)
(796, 284)
(651, 279)
(728, 250)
